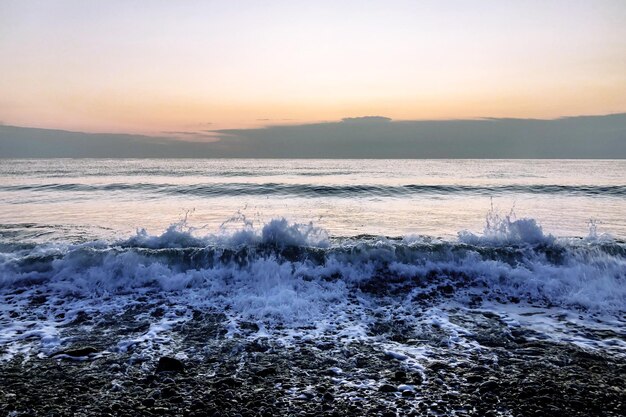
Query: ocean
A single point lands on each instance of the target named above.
(417, 262)
(84, 199)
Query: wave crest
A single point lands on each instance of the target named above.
(256, 271)
(506, 229)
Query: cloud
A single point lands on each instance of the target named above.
(366, 119)
(366, 137)
(199, 135)
(175, 132)
(381, 137)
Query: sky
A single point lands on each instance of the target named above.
(187, 68)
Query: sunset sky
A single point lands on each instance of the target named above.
(175, 66)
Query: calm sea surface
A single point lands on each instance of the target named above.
(96, 198)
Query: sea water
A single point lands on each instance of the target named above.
(296, 246)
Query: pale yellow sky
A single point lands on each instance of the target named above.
(154, 66)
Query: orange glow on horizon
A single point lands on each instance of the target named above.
(169, 67)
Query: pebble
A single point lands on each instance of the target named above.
(169, 364)
(387, 388)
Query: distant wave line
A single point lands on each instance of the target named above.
(313, 190)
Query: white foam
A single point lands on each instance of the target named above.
(294, 292)
(506, 229)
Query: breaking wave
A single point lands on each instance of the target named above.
(290, 272)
